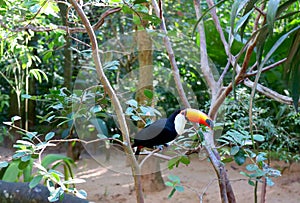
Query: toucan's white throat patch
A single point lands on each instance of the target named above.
(180, 122)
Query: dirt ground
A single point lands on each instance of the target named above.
(113, 184)
(110, 181)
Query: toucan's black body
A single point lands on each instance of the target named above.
(160, 132)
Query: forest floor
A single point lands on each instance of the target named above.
(111, 182)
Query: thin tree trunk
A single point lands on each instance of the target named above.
(151, 176)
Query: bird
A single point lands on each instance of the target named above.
(165, 130)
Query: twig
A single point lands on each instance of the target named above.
(79, 41)
(206, 188)
(252, 73)
(148, 156)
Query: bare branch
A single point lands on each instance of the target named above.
(203, 53)
(270, 93)
(175, 70)
(252, 73)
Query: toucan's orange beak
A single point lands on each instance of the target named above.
(197, 116)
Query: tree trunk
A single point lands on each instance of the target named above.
(151, 174)
(73, 148)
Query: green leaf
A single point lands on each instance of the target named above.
(26, 96)
(250, 182)
(35, 181)
(169, 184)
(179, 188)
(244, 174)
(259, 138)
(291, 69)
(74, 181)
(81, 194)
(153, 18)
(251, 167)
(11, 173)
(51, 158)
(261, 157)
(237, 6)
(174, 178)
(136, 118)
(234, 150)
(240, 157)
(242, 21)
(127, 10)
(116, 136)
(96, 109)
(3, 164)
(132, 103)
(148, 93)
(203, 15)
(140, 1)
(185, 160)
(26, 158)
(54, 195)
(112, 65)
(227, 160)
(49, 136)
(173, 162)
(250, 5)
(269, 181)
(259, 173)
(271, 13)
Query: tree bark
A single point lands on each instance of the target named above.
(151, 174)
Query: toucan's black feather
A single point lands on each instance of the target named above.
(160, 132)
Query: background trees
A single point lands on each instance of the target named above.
(246, 76)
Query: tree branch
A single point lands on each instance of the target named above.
(175, 70)
(270, 93)
(252, 73)
(68, 29)
(203, 53)
(115, 101)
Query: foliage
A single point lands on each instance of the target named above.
(28, 155)
(37, 55)
(279, 126)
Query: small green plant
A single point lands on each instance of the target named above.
(28, 154)
(174, 183)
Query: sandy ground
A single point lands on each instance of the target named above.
(110, 181)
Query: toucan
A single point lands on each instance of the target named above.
(165, 130)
